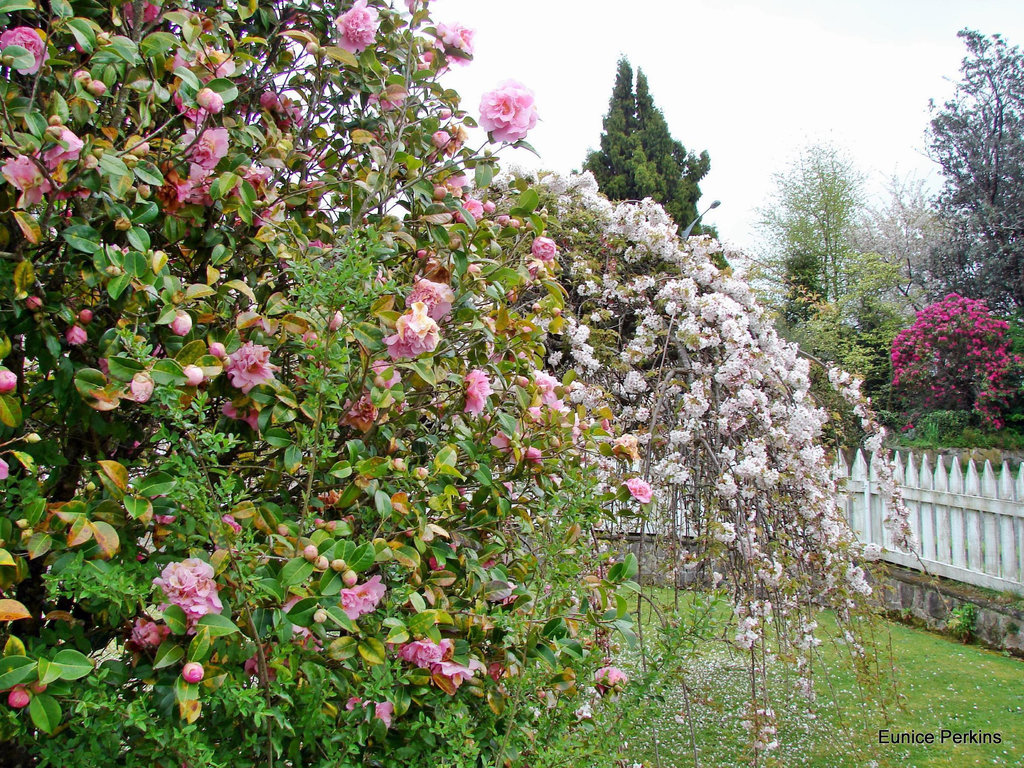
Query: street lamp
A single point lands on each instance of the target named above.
(689, 229)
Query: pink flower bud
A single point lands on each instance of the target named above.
(336, 321)
(210, 100)
(82, 76)
(192, 672)
(18, 697)
(85, 316)
(441, 139)
(142, 387)
(34, 303)
(217, 350)
(473, 269)
(193, 375)
(96, 87)
(489, 206)
(444, 114)
(76, 335)
(310, 552)
(349, 578)
(8, 381)
(182, 323)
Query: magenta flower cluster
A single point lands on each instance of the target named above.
(956, 356)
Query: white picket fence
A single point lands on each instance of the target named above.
(968, 527)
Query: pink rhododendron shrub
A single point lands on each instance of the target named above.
(956, 356)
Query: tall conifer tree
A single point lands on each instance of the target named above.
(638, 156)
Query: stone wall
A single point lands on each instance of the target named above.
(999, 623)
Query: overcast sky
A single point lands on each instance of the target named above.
(750, 82)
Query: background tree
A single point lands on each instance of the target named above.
(977, 137)
(638, 156)
(841, 298)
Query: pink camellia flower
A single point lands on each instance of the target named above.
(456, 36)
(193, 375)
(416, 333)
(425, 653)
(385, 711)
(437, 296)
(147, 634)
(546, 384)
(381, 367)
(5, 470)
(182, 323)
(533, 455)
(502, 442)
(441, 139)
(69, 148)
(508, 112)
(249, 366)
(230, 521)
(18, 698)
(544, 248)
(8, 381)
(478, 387)
(30, 40)
(141, 387)
(250, 417)
(362, 598)
(192, 672)
(210, 100)
(639, 489)
(456, 672)
(211, 146)
(358, 27)
(76, 335)
(610, 677)
(474, 208)
(189, 585)
(361, 414)
(23, 174)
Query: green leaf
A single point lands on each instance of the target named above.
(447, 456)
(218, 625)
(10, 6)
(73, 664)
(175, 619)
(484, 174)
(168, 654)
(123, 368)
(138, 238)
(168, 372)
(199, 648)
(84, 33)
(82, 237)
(424, 370)
(148, 173)
(45, 712)
(301, 614)
(362, 558)
(15, 670)
(295, 571)
(157, 42)
(529, 200)
(20, 58)
(158, 484)
(10, 411)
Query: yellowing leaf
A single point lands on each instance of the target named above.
(106, 538)
(361, 136)
(116, 472)
(12, 610)
(28, 227)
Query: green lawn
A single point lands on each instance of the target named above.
(940, 683)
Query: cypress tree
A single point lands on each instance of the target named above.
(638, 156)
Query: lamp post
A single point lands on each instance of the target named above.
(689, 229)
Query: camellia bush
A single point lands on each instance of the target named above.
(283, 480)
(956, 356)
